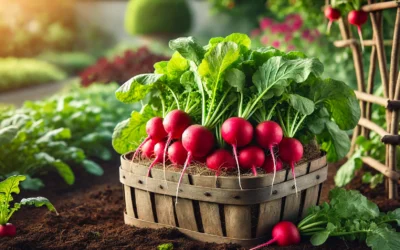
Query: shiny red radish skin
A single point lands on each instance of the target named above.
(198, 142)
(8, 230)
(155, 131)
(237, 132)
(291, 151)
(268, 135)
(177, 154)
(285, 233)
(158, 152)
(220, 158)
(358, 18)
(148, 149)
(251, 157)
(269, 165)
(175, 122)
(332, 14)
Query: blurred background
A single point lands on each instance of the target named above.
(61, 61)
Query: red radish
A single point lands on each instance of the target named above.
(251, 157)
(158, 152)
(219, 159)
(177, 154)
(268, 135)
(270, 165)
(148, 149)
(291, 151)
(285, 233)
(175, 122)
(332, 14)
(237, 132)
(155, 131)
(198, 142)
(358, 18)
(8, 230)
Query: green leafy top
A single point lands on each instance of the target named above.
(352, 216)
(9, 187)
(227, 78)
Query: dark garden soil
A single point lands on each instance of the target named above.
(91, 217)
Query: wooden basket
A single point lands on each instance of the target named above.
(217, 210)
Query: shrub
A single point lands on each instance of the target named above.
(71, 62)
(157, 17)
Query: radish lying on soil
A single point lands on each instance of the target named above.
(8, 230)
(8, 187)
(285, 233)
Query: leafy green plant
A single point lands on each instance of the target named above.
(9, 187)
(60, 132)
(165, 246)
(227, 78)
(17, 73)
(351, 216)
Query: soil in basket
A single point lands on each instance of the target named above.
(91, 217)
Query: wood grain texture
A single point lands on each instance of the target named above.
(209, 212)
(293, 201)
(143, 205)
(164, 209)
(238, 221)
(128, 201)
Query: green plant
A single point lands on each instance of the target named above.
(9, 187)
(17, 73)
(71, 62)
(60, 132)
(227, 78)
(146, 17)
(350, 216)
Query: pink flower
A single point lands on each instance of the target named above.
(306, 34)
(276, 44)
(255, 32)
(288, 37)
(291, 47)
(294, 21)
(264, 40)
(265, 23)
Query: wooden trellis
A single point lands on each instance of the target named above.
(390, 79)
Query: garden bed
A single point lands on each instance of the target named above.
(91, 217)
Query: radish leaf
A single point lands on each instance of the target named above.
(188, 48)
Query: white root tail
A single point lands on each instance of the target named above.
(294, 177)
(237, 164)
(271, 149)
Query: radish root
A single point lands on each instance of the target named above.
(237, 164)
(188, 160)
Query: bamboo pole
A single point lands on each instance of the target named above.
(372, 99)
(380, 6)
(395, 176)
(372, 126)
(366, 43)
